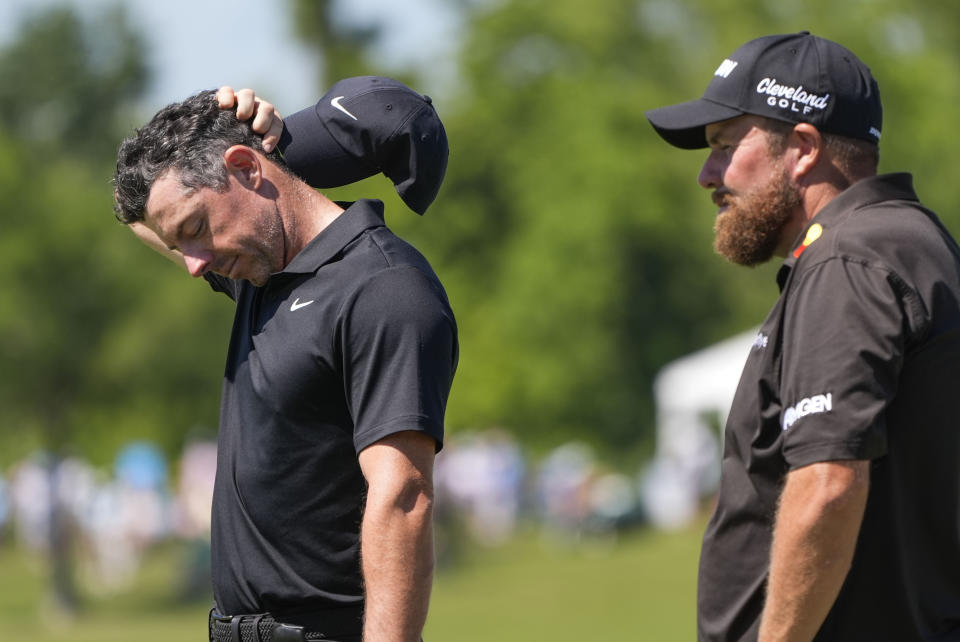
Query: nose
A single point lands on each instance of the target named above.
(711, 174)
(197, 263)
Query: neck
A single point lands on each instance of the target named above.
(304, 213)
(823, 185)
(817, 197)
(812, 196)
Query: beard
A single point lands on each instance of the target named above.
(750, 229)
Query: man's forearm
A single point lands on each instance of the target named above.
(396, 536)
(398, 559)
(821, 508)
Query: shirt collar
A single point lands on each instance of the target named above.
(356, 218)
(863, 193)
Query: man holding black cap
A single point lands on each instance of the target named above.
(838, 516)
(342, 355)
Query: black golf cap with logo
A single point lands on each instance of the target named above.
(796, 78)
(364, 126)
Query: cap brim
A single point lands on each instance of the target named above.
(682, 125)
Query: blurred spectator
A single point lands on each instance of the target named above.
(483, 484)
(30, 498)
(612, 502)
(4, 505)
(198, 469)
(76, 488)
(194, 500)
(141, 476)
(128, 514)
(563, 485)
(482, 474)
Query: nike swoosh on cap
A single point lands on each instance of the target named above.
(336, 104)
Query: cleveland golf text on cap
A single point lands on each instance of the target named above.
(796, 78)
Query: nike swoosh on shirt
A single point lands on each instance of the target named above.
(336, 105)
(296, 305)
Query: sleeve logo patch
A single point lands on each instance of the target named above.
(809, 406)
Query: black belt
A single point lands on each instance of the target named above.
(256, 628)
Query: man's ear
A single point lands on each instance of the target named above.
(809, 146)
(244, 165)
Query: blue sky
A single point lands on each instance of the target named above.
(198, 44)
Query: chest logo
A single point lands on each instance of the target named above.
(815, 232)
(296, 305)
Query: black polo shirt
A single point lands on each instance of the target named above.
(858, 360)
(353, 341)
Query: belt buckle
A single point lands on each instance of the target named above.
(287, 633)
(216, 616)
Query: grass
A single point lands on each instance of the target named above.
(149, 611)
(639, 587)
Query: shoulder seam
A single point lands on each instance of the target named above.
(912, 299)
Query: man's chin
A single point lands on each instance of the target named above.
(740, 259)
(739, 244)
(749, 230)
(741, 251)
(257, 280)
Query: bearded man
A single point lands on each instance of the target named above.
(838, 516)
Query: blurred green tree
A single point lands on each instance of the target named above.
(62, 81)
(575, 244)
(342, 47)
(577, 263)
(59, 89)
(103, 334)
(98, 346)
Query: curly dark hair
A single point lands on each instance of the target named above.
(190, 137)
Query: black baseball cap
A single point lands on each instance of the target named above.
(366, 125)
(796, 78)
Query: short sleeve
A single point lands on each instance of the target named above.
(398, 342)
(845, 331)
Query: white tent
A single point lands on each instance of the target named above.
(693, 396)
